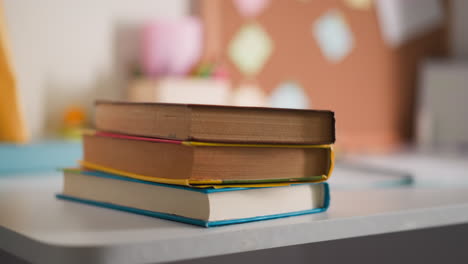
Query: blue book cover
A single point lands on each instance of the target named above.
(193, 221)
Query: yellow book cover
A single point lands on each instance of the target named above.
(11, 124)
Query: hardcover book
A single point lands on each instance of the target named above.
(210, 123)
(201, 163)
(203, 207)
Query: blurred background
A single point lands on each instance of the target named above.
(394, 71)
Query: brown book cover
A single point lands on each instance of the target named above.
(205, 163)
(211, 123)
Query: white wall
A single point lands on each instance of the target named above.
(67, 51)
(459, 30)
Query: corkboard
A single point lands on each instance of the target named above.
(372, 90)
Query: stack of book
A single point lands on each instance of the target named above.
(205, 165)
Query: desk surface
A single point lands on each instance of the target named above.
(40, 228)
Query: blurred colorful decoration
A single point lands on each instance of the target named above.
(74, 121)
(186, 46)
(171, 47)
(290, 26)
(221, 72)
(289, 95)
(12, 128)
(248, 95)
(155, 48)
(204, 70)
(402, 20)
(211, 70)
(250, 49)
(359, 4)
(333, 35)
(250, 8)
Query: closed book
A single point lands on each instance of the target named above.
(204, 207)
(200, 163)
(210, 123)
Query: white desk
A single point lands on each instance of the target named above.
(37, 227)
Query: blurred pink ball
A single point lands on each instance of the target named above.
(171, 47)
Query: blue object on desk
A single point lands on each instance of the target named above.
(351, 175)
(40, 156)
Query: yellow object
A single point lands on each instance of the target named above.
(211, 144)
(74, 120)
(74, 116)
(191, 183)
(11, 124)
(93, 166)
